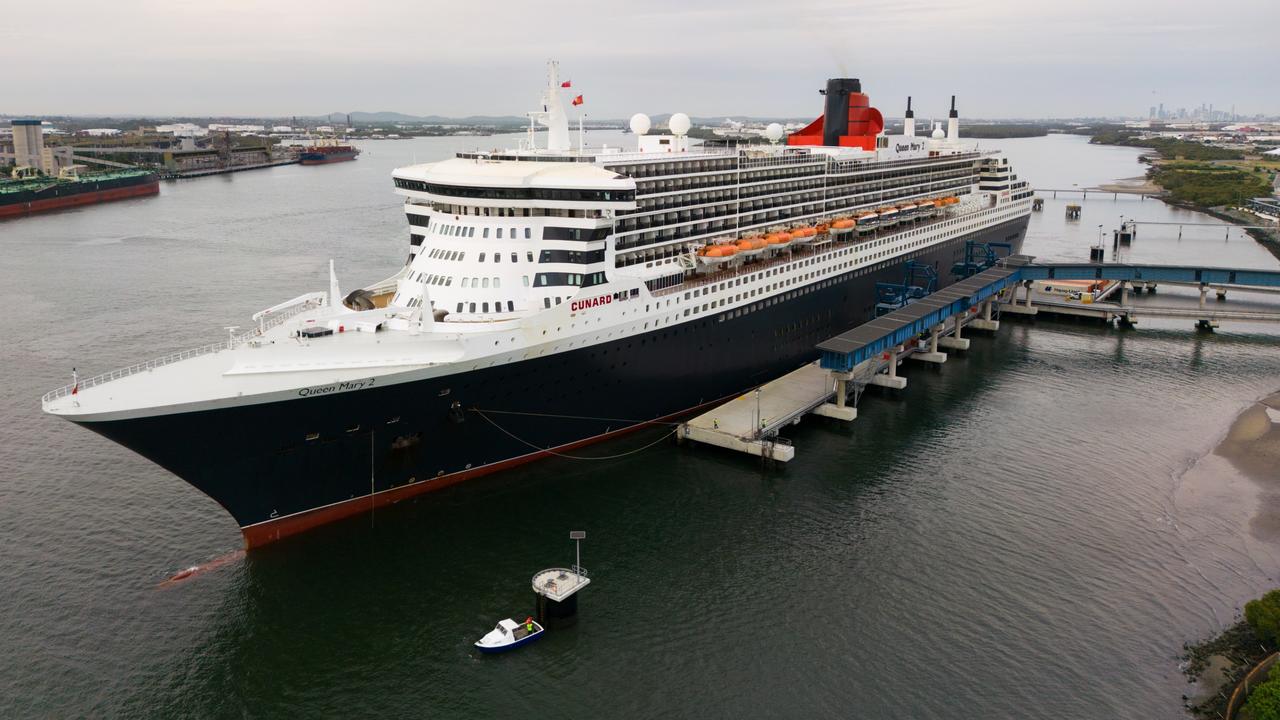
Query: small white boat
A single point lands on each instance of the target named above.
(508, 634)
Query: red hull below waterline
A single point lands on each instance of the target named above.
(85, 198)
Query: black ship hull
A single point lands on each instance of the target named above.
(280, 468)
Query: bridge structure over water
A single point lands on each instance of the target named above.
(1115, 191)
(870, 354)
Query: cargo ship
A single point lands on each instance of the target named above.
(556, 295)
(324, 152)
(30, 194)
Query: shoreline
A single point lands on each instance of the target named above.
(1251, 445)
(1269, 239)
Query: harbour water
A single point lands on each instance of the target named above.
(1032, 529)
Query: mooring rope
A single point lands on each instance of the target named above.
(489, 420)
(575, 417)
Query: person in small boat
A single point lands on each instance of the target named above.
(528, 623)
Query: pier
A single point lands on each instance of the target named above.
(871, 353)
(1136, 278)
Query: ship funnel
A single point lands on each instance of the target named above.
(847, 120)
(841, 93)
(953, 121)
(909, 120)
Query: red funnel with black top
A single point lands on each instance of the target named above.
(847, 121)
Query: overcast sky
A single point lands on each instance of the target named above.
(1003, 58)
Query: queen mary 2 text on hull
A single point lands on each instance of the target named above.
(505, 332)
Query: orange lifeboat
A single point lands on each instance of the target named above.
(778, 240)
(717, 253)
(803, 234)
(842, 226)
(752, 245)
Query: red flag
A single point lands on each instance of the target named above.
(566, 83)
(577, 100)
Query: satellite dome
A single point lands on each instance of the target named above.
(938, 134)
(640, 123)
(679, 124)
(773, 132)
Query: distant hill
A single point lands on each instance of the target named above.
(387, 116)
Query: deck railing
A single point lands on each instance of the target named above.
(230, 343)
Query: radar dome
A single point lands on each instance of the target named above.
(640, 123)
(773, 132)
(938, 134)
(679, 124)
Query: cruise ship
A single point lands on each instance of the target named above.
(555, 295)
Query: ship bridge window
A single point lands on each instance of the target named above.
(419, 220)
(572, 279)
(486, 233)
(499, 233)
(515, 257)
(497, 257)
(527, 234)
(571, 256)
(529, 255)
(581, 234)
(482, 256)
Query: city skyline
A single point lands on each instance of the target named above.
(1002, 59)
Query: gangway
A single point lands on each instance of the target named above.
(870, 353)
(972, 264)
(918, 281)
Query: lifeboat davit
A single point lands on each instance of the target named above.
(752, 245)
(842, 226)
(717, 253)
